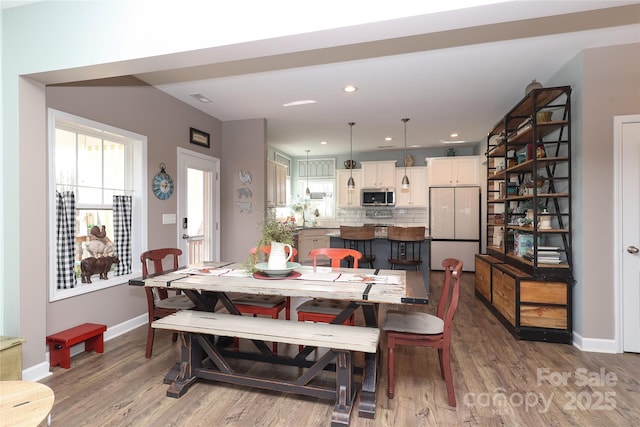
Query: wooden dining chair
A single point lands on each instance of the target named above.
(268, 305)
(406, 246)
(325, 310)
(336, 255)
(360, 239)
(159, 303)
(426, 330)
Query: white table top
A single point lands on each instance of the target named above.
(389, 287)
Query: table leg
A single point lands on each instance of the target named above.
(367, 408)
(190, 358)
(345, 394)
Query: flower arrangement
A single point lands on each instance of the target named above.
(271, 229)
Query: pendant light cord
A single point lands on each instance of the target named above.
(405, 179)
(308, 192)
(351, 183)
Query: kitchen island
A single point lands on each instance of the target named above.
(381, 248)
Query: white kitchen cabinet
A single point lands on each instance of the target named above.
(378, 174)
(309, 239)
(276, 184)
(416, 195)
(454, 170)
(348, 198)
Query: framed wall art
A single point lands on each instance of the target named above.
(199, 138)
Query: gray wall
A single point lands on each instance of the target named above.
(606, 83)
(244, 149)
(129, 104)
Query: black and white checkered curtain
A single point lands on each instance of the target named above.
(65, 239)
(122, 233)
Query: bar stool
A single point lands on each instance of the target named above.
(406, 246)
(361, 240)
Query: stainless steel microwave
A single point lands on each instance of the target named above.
(378, 197)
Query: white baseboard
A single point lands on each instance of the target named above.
(595, 345)
(41, 370)
(37, 372)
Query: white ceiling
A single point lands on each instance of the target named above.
(453, 71)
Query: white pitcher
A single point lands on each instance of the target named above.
(278, 257)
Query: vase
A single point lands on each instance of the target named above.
(531, 86)
(278, 257)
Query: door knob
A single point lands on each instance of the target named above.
(185, 236)
(633, 250)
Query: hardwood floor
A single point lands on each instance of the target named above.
(498, 380)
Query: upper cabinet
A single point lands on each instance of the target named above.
(378, 174)
(453, 170)
(348, 198)
(416, 195)
(276, 184)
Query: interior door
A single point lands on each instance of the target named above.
(627, 140)
(198, 206)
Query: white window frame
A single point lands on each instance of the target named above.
(139, 239)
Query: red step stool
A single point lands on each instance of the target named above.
(60, 344)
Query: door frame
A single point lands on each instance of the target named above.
(182, 154)
(618, 122)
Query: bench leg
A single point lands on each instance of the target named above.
(345, 395)
(94, 344)
(59, 356)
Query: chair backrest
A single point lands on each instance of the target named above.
(267, 250)
(335, 255)
(450, 292)
(406, 234)
(365, 232)
(155, 257)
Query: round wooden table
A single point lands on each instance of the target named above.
(25, 403)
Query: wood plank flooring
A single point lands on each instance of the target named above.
(498, 381)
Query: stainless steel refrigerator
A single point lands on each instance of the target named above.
(454, 225)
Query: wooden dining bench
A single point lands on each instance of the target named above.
(340, 340)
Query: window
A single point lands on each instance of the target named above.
(320, 202)
(97, 193)
(318, 176)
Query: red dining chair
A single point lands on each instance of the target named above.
(159, 303)
(426, 330)
(325, 310)
(269, 305)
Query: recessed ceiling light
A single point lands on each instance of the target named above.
(302, 102)
(201, 98)
(388, 138)
(350, 89)
(323, 142)
(454, 135)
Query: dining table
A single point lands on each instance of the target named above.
(212, 285)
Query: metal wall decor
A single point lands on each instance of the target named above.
(243, 193)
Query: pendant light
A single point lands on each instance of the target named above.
(405, 178)
(351, 184)
(308, 192)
